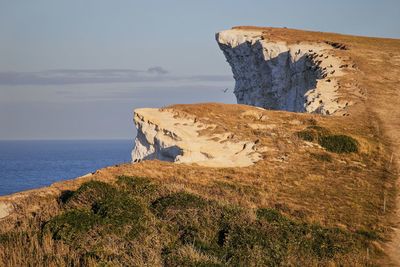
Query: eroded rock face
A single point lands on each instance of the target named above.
(274, 75)
(165, 136)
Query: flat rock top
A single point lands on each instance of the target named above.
(294, 35)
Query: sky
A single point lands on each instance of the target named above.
(76, 69)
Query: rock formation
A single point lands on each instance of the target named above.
(300, 77)
(167, 136)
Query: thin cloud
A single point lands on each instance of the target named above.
(87, 76)
(157, 70)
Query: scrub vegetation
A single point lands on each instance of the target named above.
(337, 143)
(105, 224)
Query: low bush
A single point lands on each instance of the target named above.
(333, 143)
(122, 226)
(72, 225)
(306, 135)
(339, 143)
(178, 201)
(137, 185)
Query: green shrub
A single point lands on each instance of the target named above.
(137, 185)
(339, 143)
(190, 230)
(179, 201)
(333, 143)
(88, 193)
(100, 207)
(312, 133)
(71, 225)
(307, 135)
(120, 211)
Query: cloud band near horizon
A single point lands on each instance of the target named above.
(87, 76)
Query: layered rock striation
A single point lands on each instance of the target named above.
(300, 77)
(164, 135)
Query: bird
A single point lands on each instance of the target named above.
(225, 90)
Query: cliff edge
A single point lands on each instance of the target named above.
(168, 135)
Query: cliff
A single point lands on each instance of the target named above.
(236, 185)
(274, 74)
(165, 135)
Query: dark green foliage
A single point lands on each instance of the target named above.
(248, 242)
(72, 225)
(99, 189)
(193, 231)
(88, 194)
(307, 239)
(178, 201)
(306, 135)
(333, 143)
(339, 143)
(120, 211)
(66, 195)
(327, 242)
(101, 207)
(137, 185)
(369, 234)
(312, 133)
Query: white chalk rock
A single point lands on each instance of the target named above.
(275, 75)
(163, 135)
(5, 209)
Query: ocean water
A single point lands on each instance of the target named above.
(32, 164)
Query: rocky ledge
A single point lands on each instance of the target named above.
(165, 135)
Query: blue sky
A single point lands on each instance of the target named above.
(76, 69)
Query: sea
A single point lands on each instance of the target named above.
(32, 164)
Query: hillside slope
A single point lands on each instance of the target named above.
(321, 191)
